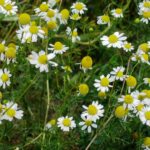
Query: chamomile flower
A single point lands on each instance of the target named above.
(146, 143)
(2, 50)
(64, 16)
(131, 81)
(120, 112)
(50, 15)
(73, 34)
(144, 58)
(143, 48)
(42, 8)
(41, 60)
(66, 123)
(118, 73)
(128, 101)
(87, 124)
(50, 124)
(86, 63)
(104, 83)
(83, 89)
(58, 48)
(10, 53)
(145, 5)
(139, 107)
(94, 111)
(52, 25)
(9, 8)
(117, 13)
(147, 81)
(75, 16)
(11, 111)
(4, 78)
(145, 116)
(103, 19)
(127, 47)
(78, 8)
(30, 33)
(114, 40)
(24, 19)
(145, 16)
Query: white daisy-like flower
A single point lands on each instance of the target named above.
(58, 48)
(147, 81)
(50, 124)
(11, 111)
(64, 16)
(41, 60)
(145, 116)
(103, 84)
(66, 123)
(144, 58)
(87, 124)
(75, 16)
(78, 8)
(144, 6)
(10, 53)
(73, 34)
(139, 95)
(30, 33)
(117, 13)
(2, 50)
(128, 101)
(103, 19)
(93, 112)
(127, 47)
(9, 8)
(145, 16)
(146, 143)
(118, 73)
(115, 40)
(5, 78)
(42, 9)
(50, 15)
(143, 48)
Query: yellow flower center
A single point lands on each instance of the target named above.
(141, 97)
(75, 16)
(52, 122)
(83, 89)
(127, 46)
(2, 2)
(79, 6)
(52, 25)
(128, 99)
(147, 141)
(120, 112)
(145, 57)
(11, 112)
(147, 115)
(92, 110)
(131, 81)
(147, 4)
(113, 38)
(104, 82)
(65, 14)
(8, 7)
(139, 107)
(58, 46)
(66, 122)
(144, 47)
(74, 33)
(5, 77)
(87, 62)
(88, 122)
(11, 52)
(2, 48)
(105, 18)
(51, 13)
(119, 74)
(101, 94)
(118, 11)
(147, 92)
(146, 14)
(24, 19)
(42, 59)
(43, 7)
(33, 29)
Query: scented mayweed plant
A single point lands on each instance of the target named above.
(74, 75)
